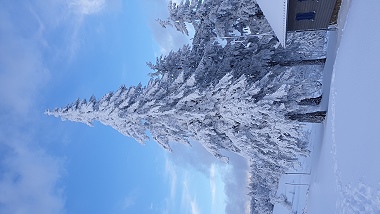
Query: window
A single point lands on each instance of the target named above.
(305, 16)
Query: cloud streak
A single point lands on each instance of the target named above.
(212, 185)
(194, 207)
(170, 171)
(30, 178)
(129, 200)
(188, 201)
(87, 7)
(233, 176)
(23, 72)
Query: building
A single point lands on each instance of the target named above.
(298, 15)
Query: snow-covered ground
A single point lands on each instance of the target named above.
(341, 175)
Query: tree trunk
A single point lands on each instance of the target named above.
(311, 117)
(314, 101)
(299, 62)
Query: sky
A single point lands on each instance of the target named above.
(51, 53)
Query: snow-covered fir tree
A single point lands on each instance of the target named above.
(231, 115)
(235, 88)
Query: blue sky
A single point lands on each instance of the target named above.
(53, 52)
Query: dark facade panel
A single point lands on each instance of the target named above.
(309, 14)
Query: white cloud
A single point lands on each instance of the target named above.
(194, 207)
(185, 197)
(212, 184)
(76, 14)
(92, 7)
(68, 17)
(171, 176)
(29, 178)
(22, 71)
(233, 176)
(170, 171)
(128, 201)
(87, 7)
(194, 157)
(188, 201)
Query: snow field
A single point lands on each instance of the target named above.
(344, 175)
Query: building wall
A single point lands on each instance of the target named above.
(303, 10)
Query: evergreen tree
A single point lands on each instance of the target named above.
(249, 95)
(225, 116)
(231, 115)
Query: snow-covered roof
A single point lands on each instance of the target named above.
(275, 11)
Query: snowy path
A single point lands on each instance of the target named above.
(346, 178)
